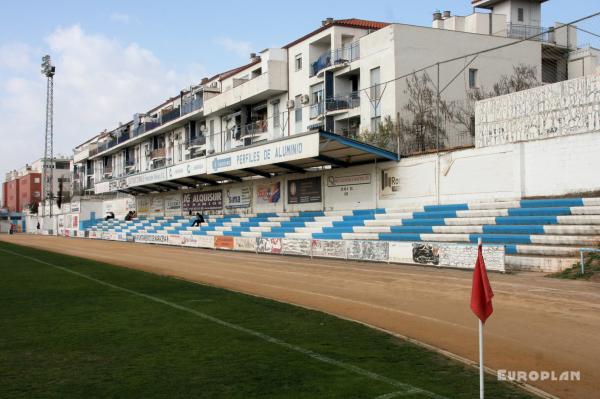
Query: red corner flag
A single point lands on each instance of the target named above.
(481, 293)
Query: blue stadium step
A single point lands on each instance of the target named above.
(552, 203)
(539, 211)
(518, 229)
(501, 238)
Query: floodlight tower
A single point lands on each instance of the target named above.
(48, 71)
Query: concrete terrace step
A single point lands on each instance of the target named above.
(546, 264)
(545, 250)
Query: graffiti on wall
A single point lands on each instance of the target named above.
(294, 246)
(426, 254)
(560, 109)
(269, 245)
(375, 251)
(329, 248)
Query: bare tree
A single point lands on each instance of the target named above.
(462, 112)
(523, 77)
(421, 122)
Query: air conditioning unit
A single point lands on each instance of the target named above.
(290, 104)
(304, 99)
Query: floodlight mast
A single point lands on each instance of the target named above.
(48, 70)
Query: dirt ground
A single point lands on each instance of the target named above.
(538, 324)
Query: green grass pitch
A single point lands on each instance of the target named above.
(109, 331)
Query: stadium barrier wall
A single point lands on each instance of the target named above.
(450, 255)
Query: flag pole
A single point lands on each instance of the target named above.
(481, 389)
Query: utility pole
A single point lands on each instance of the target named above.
(48, 70)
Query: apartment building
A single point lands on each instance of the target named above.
(521, 19)
(25, 186)
(344, 77)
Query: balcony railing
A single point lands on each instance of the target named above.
(190, 106)
(143, 128)
(170, 115)
(107, 170)
(340, 55)
(158, 153)
(196, 142)
(521, 31)
(316, 110)
(257, 127)
(338, 103)
(343, 102)
(123, 137)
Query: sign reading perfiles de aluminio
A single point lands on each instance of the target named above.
(306, 146)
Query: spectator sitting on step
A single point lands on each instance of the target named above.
(199, 219)
(129, 216)
(111, 215)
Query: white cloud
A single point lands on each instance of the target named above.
(120, 18)
(241, 48)
(15, 56)
(99, 82)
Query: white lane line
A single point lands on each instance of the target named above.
(395, 394)
(317, 356)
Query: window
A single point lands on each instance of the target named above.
(276, 115)
(520, 15)
(472, 78)
(298, 62)
(36, 180)
(375, 81)
(298, 113)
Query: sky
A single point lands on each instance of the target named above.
(116, 58)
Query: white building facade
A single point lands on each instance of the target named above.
(345, 77)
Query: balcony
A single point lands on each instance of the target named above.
(196, 142)
(123, 136)
(108, 170)
(255, 128)
(316, 110)
(271, 82)
(339, 56)
(338, 103)
(191, 106)
(158, 153)
(520, 31)
(170, 116)
(143, 128)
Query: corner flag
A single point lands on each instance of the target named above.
(481, 305)
(481, 293)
